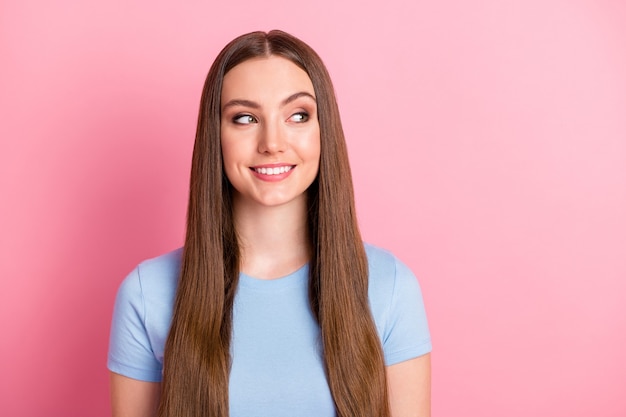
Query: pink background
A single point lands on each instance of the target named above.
(488, 142)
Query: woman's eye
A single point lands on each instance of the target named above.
(244, 119)
(300, 117)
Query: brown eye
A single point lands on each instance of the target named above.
(244, 119)
(300, 117)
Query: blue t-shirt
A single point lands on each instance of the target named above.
(277, 365)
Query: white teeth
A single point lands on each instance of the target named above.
(273, 171)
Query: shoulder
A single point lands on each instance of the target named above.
(379, 260)
(397, 306)
(387, 274)
(161, 271)
(152, 281)
(385, 270)
(142, 316)
(162, 267)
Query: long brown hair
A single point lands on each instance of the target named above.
(197, 351)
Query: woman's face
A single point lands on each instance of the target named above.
(270, 133)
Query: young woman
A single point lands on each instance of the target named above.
(274, 307)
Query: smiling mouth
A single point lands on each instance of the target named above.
(274, 170)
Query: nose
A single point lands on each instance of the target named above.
(272, 138)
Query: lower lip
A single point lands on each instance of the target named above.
(272, 178)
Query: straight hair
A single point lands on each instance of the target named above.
(197, 352)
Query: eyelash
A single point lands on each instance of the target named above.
(237, 118)
(304, 117)
(303, 114)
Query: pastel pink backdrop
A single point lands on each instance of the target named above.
(488, 143)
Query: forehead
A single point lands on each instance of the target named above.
(265, 78)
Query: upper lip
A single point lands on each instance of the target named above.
(275, 165)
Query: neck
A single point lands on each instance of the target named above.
(273, 241)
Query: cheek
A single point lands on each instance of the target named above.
(231, 149)
(313, 147)
(226, 154)
(229, 157)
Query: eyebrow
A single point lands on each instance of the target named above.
(255, 105)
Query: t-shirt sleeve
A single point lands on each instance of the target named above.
(407, 335)
(130, 351)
